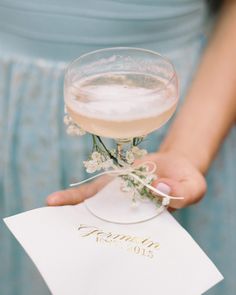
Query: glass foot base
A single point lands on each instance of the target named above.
(113, 205)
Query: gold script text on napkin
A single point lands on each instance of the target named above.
(137, 245)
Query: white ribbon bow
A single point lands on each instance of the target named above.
(129, 171)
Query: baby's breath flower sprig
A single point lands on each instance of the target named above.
(103, 158)
(139, 190)
(138, 153)
(100, 158)
(97, 161)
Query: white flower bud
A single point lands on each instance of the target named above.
(91, 166)
(135, 150)
(96, 156)
(67, 120)
(107, 164)
(138, 153)
(80, 131)
(71, 130)
(129, 157)
(124, 186)
(74, 129)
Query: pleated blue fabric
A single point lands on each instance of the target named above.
(37, 40)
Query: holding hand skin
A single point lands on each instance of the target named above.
(177, 176)
(200, 127)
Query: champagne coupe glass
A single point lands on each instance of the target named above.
(121, 93)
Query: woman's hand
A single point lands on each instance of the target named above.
(176, 176)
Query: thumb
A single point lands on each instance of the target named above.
(77, 195)
(190, 190)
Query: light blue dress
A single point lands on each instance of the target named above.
(37, 39)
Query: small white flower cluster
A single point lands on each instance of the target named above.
(148, 179)
(130, 183)
(72, 128)
(138, 153)
(134, 153)
(97, 162)
(129, 156)
(136, 188)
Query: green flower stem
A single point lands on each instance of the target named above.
(137, 140)
(108, 152)
(94, 142)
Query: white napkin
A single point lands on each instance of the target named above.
(80, 254)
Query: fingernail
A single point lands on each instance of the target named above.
(164, 188)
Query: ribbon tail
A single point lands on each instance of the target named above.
(97, 175)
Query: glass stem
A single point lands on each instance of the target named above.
(120, 143)
(119, 149)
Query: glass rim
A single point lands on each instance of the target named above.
(174, 74)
